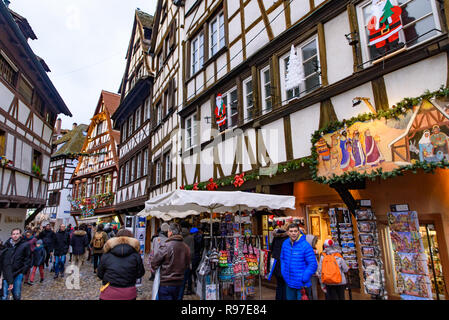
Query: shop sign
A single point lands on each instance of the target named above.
(415, 139)
(11, 219)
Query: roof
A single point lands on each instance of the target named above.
(74, 141)
(23, 25)
(145, 19)
(111, 102)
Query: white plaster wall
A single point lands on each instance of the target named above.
(303, 124)
(6, 97)
(274, 139)
(236, 54)
(6, 228)
(415, 79)
(221, 66)
(210, 74)
(233, 6)
(18, 159)
(340, 61)
(298, 8)
(6, 176)
(26, 157)
(191, 89)
(10, 147)
(190, 167)
(256, 38)
(205, 128)
(343, 102)
(200, 82)
(235, 28)
(226, 153)
(277, 20)
(24, 112)
(318, 2)
(251, 134)
(207, 164)
(47, 133)
(252, 12)
(22, 182)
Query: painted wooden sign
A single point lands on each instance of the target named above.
(419, 135)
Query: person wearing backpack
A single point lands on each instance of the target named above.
(98, 241)
(331, 271)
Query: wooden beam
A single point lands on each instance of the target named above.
(323, 55)
(266, 21)
(380, 94)
(327, 113)
(354, 27)
(288, 138)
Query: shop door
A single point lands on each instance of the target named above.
(430, 241)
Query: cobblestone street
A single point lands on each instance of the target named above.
(56, 289)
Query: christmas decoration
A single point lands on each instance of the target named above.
(384, 24)
(212, 185)
(4, 162)
(238, 180)
(295, 74)
(220, 111)
(195, 186)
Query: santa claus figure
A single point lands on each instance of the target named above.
(220, 111)
(384, 24)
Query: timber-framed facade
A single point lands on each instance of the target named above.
(29, 105)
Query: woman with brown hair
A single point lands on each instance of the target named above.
(120, 267)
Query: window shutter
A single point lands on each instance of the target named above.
(173, 35)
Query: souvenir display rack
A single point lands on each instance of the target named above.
(342, 233)
(373, 270)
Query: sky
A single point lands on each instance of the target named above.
(84, 43)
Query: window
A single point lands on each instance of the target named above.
(308, 55)
(100, 128)
(145, 162)
(160, 61)
(230, 99)
(166, 101)
(419, 18)
(7, 71)
(146, 109)
(139, 166)
(197, 49)
(133, 169)
(127, 173)
(2, 143)
(26, 89)
(98, 185)
(265, 81)
(130, 125)
(124, 131)
(39, 107)
(191, 132)
(108, 184)
(248, 102)
(167, 161)
(158, 172)
(37, 161)
(122, 176)
(138, 117)
(54, 198)
(159, 113)
(217, 34)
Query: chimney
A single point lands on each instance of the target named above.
(58, 126)
(74, 125)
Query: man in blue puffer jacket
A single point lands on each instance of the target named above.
(298, 263)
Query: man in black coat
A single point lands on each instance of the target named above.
(280, 236)
(79, 243)
(19, 254)
(49, 239)
(6, 268)
(62, 244)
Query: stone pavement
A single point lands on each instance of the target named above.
(89, 287)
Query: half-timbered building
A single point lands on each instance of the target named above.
(132, 118)
(62, 165)
(29, 105)
(95, 177)
(241, 114)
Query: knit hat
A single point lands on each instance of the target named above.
(194, 230)
(40, 242)
(328, 243)
(165, 227)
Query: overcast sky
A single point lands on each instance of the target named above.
(84, 43)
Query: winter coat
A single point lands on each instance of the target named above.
(276, 247)
(49, 239)
(20, 254)
(6, 265)
(121, 264)
(189, 241)
(32, 241)
(157, 243)
(173, 258)
(198, 246)
(79, 242)
(105, 239)
(38, 256)
(341, 264)
(62, 243)
(298, 263)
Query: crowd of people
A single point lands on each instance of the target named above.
(175, 255)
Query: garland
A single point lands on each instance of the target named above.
(87, 206)
(81, 154)
(401, 108)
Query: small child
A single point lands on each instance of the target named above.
(38, 260)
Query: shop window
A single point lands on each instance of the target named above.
(217, 34)
(230, 100)
(420, 22)
(248, 102)
(309, 56)
(265, 82)
(7, 71)
(197, 53)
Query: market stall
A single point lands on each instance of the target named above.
(234, 257)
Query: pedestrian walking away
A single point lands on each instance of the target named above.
(331, 271)
(38, 261)
(189, 241)
(80, 244)
(120, 267)
(173, 258)
(31, 239)
(279, 236)
(98, 241)
(61, 249)
(19, 254)
(5, 269)
(155, 245)
(298, 264)
(49, 238)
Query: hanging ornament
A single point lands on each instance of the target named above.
(384, 24)
(220, 111)
(295, 74)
